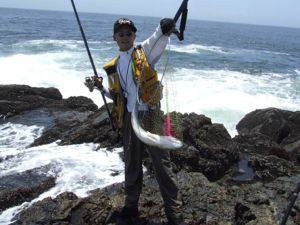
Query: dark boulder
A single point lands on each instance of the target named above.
(209, 148)
(15, 99)
(18, 98)
(84, 128)
(18, 188)
(204, 202)
(282, 126)
(270, 139)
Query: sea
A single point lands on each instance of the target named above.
(221, 70)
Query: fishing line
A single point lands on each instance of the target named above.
(169, 124)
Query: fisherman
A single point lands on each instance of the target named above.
(124, 72)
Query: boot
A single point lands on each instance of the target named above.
(128, 216)
(175, 221)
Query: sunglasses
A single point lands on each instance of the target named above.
(123, 34)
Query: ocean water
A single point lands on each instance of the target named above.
(221, 70)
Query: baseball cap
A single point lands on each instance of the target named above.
(124, 21)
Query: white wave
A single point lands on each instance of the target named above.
(52, 44)
(226, 96)
(17, 135)
(201, 91)
(80, 167)
(64, 44)
(297, 72)
(194, 48)
(275, 53)
(50, 70)
(77, 168)
(7, 215)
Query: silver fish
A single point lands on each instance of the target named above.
(163, 142)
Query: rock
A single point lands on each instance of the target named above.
(204, 202)
(268, 141)
(68, 209)
(18, 98)
(271, 167)
(63, 123)
(15, 99)
(263, 136)
(49, 211)
(80, 103)
(83, 127)
(18, 188)
(209, 149)
(243, 214)
(256, 143)
(96, 128)
(282, 126)
(19, 92)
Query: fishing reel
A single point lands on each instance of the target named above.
(90, 83)
(93, 82)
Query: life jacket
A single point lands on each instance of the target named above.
(116, 93)
(144, 76)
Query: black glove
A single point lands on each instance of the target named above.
(98, 82)
(167, 25)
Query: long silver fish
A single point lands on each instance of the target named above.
(163, 142)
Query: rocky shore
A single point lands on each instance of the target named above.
(224, 180)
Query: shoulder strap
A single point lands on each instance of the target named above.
(110, 67)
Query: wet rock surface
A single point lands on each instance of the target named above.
(281, 126)
(247, 179)
(23, 187)
(204, 202)
(15, 99)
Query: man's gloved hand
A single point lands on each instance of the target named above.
(167, 26)
(92, 82)
(98, 82)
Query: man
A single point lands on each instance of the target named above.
(124, 73)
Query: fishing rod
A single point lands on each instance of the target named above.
(182, 11)
(291, 204)
(88, 80)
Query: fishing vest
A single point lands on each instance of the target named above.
(144, 76)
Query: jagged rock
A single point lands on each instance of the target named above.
(204, 202)
(209, 150)
(51, 211)
(18, 188)
(282, 126)
(268, 139)
(270, 167)
(15, 99)
(83, 128)
(261, 144)
(23, 92)
(18, 98)
(243, 214)
(96, 128)
(263, 135)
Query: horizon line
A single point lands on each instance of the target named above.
(197, 19)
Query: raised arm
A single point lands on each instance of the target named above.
(157, 42)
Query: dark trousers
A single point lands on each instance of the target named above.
(133, 154)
